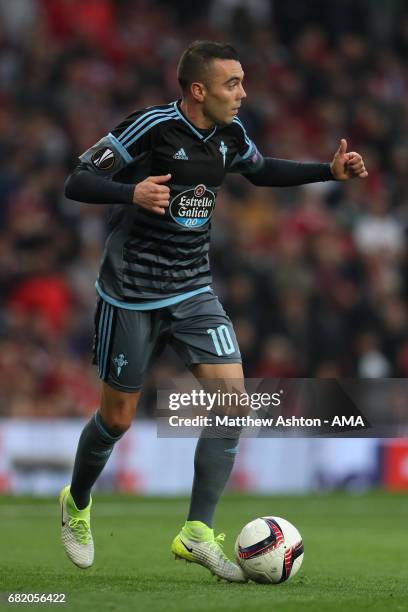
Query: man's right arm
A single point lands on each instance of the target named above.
(93, 180)
(84, 185)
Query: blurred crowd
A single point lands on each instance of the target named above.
(314, 278)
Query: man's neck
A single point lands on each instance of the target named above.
(194, 114)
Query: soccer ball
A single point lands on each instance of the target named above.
(269, 549)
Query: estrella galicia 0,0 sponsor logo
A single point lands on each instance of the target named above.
(194, 207)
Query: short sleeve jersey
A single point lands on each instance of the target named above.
(149, 256)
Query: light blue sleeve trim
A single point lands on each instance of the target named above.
(149, 127)
(238, 121)
(126, 156)
(134, 126)
(251, 146)
(250, 151)
(175, 299)
(143, 123)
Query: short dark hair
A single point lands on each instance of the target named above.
(196, 59)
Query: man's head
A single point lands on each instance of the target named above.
(210, 74)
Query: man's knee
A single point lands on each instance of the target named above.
(118, 409)
(226, 383)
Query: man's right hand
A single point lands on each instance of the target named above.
(152, 194)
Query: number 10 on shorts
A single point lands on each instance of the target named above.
(222, 340)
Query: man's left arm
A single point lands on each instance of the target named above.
(272, 172)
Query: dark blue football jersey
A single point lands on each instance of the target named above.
(150, 257)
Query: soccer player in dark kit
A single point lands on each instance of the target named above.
(162, 168)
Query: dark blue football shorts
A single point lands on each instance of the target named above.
(127, 342)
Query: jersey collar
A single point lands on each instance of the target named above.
(190, 125)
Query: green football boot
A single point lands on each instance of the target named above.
(76, 530)
(196, 544)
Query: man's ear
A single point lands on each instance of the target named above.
(198, 91)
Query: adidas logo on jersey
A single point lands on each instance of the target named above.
(180, 154)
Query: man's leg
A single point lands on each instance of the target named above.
(217, 446)
(124, 344)
(95, 445)
(203, 335)
(213, 463)
(98, 438)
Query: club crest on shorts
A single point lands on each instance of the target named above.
(120, 362)
(103, 159)
(194, 207)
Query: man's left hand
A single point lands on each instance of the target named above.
(347, 165)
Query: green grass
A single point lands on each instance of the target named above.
(355, 555)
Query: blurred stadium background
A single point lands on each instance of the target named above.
(315, 279)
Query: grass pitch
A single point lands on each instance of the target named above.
(355, 555)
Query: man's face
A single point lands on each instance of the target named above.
(223, 91)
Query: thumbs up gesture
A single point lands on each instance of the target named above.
(347, 165)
